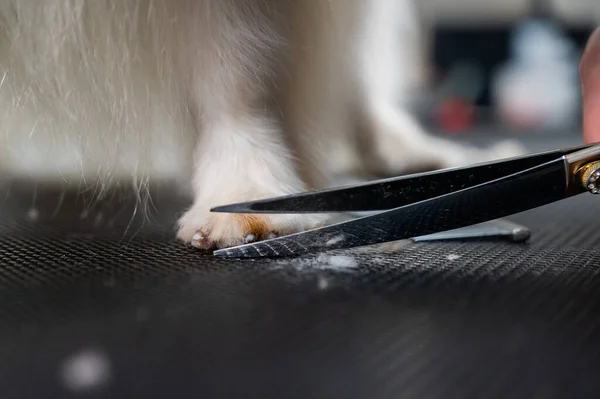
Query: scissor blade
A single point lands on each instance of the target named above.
(512, 194)
(396, 192)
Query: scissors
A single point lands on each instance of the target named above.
(425, 203)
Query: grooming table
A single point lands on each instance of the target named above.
(95, 302)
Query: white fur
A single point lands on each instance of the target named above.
(244, 98)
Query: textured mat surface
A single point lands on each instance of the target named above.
(147, 317)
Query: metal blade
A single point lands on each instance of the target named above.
(493, 229)
(512, 194)
(396, 192)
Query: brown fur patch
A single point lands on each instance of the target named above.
(254, 224)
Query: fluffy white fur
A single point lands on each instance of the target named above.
(243, 98)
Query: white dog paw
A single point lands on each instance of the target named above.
(206, 230)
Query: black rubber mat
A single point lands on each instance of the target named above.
(146, 317)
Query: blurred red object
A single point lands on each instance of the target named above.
(456, 115)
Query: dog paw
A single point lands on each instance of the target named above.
(206, 230)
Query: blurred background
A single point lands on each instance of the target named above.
(502, 67)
